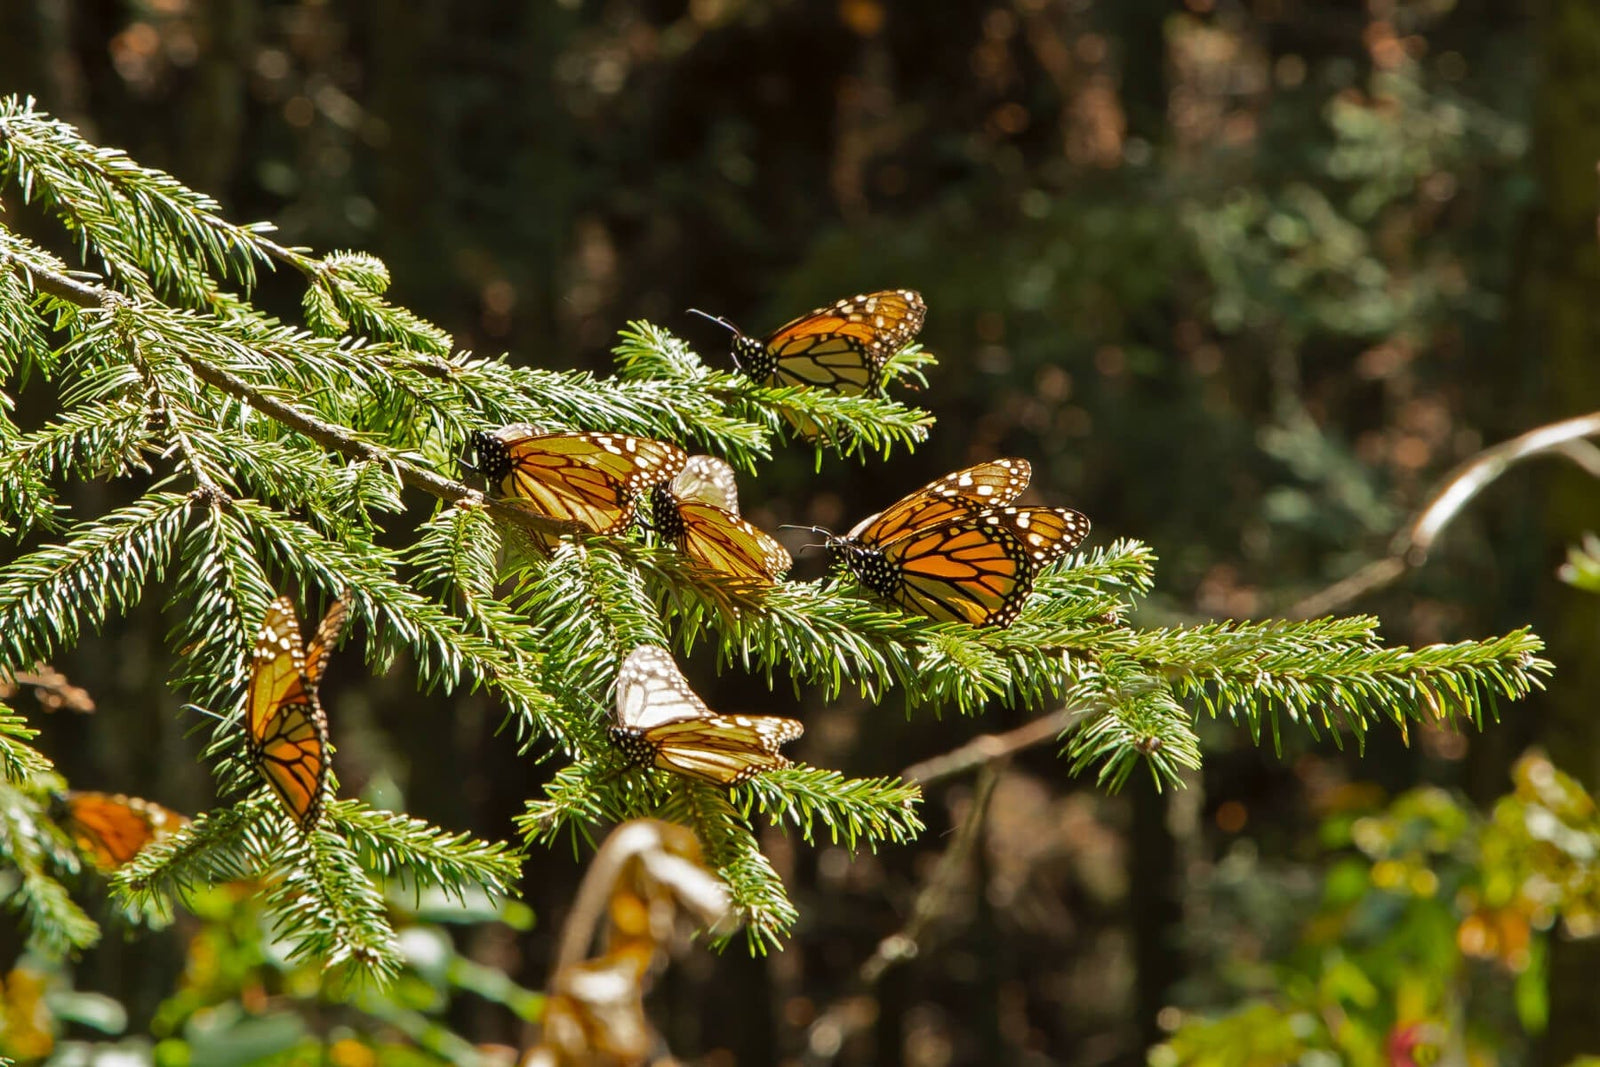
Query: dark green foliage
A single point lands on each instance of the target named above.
(282, 460)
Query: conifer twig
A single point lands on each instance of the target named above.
(324, 433)
(1411, 544)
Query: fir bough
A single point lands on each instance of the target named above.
(269, 455)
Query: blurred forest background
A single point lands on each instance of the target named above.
(1244, 280)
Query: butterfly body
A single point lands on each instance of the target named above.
(691, 512)
(590, 480)
(842, 346)
(288, 730)
(111, 829)
(661, 722)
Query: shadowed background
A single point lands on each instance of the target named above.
(1242, 280)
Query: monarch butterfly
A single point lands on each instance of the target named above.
(288, 728)
(842, 347)
(661, 722)
(712, 535)
(964, 492)
(110, 829)
(710, 481)
(955, 551)
(590, 479)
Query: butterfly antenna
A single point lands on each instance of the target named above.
(207, 712)
(831, 537)
(719, 320)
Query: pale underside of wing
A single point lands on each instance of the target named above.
(651, 690)
(661, 721)
(708, 480)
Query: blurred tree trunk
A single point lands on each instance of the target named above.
(1139, 26)
(1153, 910)
(1560, 304)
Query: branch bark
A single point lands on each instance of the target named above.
(328, 435)
(1415, 540)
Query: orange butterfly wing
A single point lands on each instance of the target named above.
(842, 346)
(321, 645)
(978, 569)
(662, 722)
(963, 571)
(590, 479)
(964, 492)
(287, 726)
(111, 829)
(718, 540)
(729, 545)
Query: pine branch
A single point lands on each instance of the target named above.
(855, 810)
(47, 596)
(1331, 672)
(225, 592)
(577, 798)
(144, 224)
(733, 851)
(329, 911)
(19, 761)
(55, 924)
(101, 440)
(230, 844)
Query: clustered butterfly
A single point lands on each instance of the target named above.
(698, 513)
(287, 728)
(661, 722)
(959, 550)
(843, 347)
(956, 551)
(110, 829)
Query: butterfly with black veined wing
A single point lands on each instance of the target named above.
(955, 550)
(110, 829)
(843, 347)
(956, 495)
(591, 480)
(661, 722)
(288, 730)
(690, 513)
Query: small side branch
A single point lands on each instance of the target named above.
(1415, 540)
(328, 435)
(826, 1036)
(989, 748)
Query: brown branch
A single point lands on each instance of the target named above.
(1411, 544)
(984, 750)
(827, 1034)
(329, 435)
(832, 1027)
(51, 687)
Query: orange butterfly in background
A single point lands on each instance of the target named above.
(698, 512)
(843, 347)
(592, 480)
(661, 722)
(955, 550)
(287, 726)
(110, 829)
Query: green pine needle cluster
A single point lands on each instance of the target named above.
(270, 456)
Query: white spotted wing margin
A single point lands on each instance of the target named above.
(662, 723)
